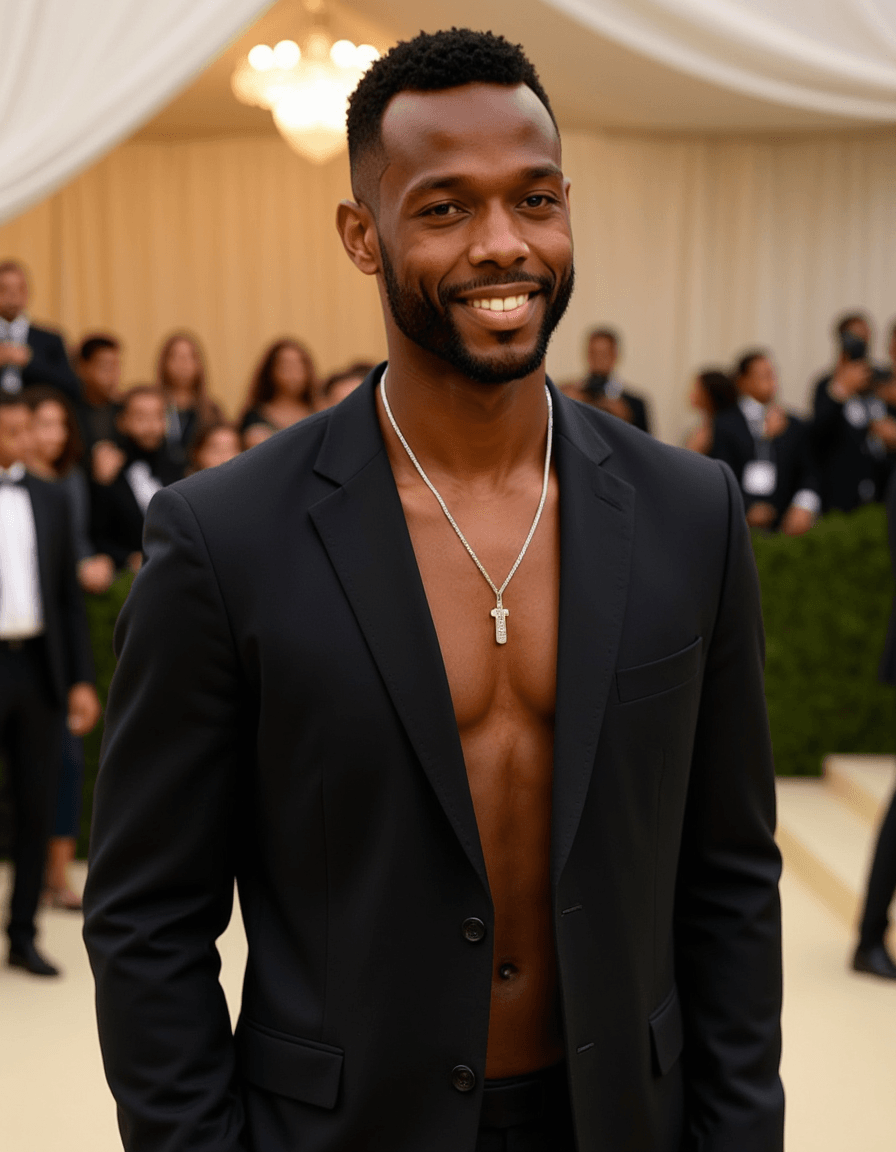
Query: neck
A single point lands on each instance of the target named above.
(9, 316)
(459, 429)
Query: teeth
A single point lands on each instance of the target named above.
(501, 305)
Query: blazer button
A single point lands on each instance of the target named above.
(463, 1078)
(473, 929)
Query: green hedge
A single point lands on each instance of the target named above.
(102, 612)
(826, 601)
(826, 598)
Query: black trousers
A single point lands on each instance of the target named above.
(31, 739)
(527, 1114)
(881, 882)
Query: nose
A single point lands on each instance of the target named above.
(497, 239)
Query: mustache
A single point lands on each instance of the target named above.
(449, 293)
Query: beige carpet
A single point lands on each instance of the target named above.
(839, 1066)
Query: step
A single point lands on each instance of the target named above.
(825, 843)
(863, 783)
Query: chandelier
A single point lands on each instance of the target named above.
(306, 88)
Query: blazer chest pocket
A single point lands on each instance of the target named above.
(303, 1070)
(659, 675)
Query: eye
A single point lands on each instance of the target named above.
(442, 210)
(539, 200)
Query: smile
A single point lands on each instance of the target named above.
(499, 304)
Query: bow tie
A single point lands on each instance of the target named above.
(12, 475)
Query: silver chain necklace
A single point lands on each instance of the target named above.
(499, 612)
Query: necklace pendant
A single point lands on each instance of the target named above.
(500, 614)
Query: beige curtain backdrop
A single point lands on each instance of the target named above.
(696, 248)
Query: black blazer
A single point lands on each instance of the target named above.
(49, 363)
(791, 452)
(66, 639)
(850, 474)
(116, 519)
(281, 714)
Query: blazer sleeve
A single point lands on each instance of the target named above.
(160, 885)
(827, 415)
(49, 364)
(728, 920)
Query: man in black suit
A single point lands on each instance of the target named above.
(769, 450)
(99, 366)
(603, 388)
(144, 465)
(46, 667)
(28, 355)
(502, 826)
(853, 433)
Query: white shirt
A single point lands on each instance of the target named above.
(754, 414)
(142, 483)
(21, 605)
(13, 332)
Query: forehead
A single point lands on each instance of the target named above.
(461, 131)
(12, 276)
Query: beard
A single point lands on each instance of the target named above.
(431, 326)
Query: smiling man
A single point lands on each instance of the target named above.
(462, 681)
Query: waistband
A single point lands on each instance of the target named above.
(524, 1099)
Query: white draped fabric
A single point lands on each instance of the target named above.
(835, 56)
(80, 75)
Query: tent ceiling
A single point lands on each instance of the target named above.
(594, 83)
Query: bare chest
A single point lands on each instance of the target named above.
(492, 681)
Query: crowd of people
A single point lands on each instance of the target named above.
(109, 450)
(791, 469)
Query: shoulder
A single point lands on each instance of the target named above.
(39, 334)
(661, 474)
(260, 482)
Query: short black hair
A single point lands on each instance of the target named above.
(433, 62)
(94, 344)
(746, 362)
(846, 321)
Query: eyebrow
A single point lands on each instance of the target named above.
(448, 181)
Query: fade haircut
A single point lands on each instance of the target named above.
(431, 62)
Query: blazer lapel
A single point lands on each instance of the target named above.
(362, 526)
(596, 530)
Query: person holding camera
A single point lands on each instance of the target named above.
(854, 433)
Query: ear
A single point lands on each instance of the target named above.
(357, 230)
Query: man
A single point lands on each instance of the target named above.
(502, 826)
(602, 387)
(145, 466)
(28, 355)
(46, 668)
(769, 450)
(852, 430)
(99, 366)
